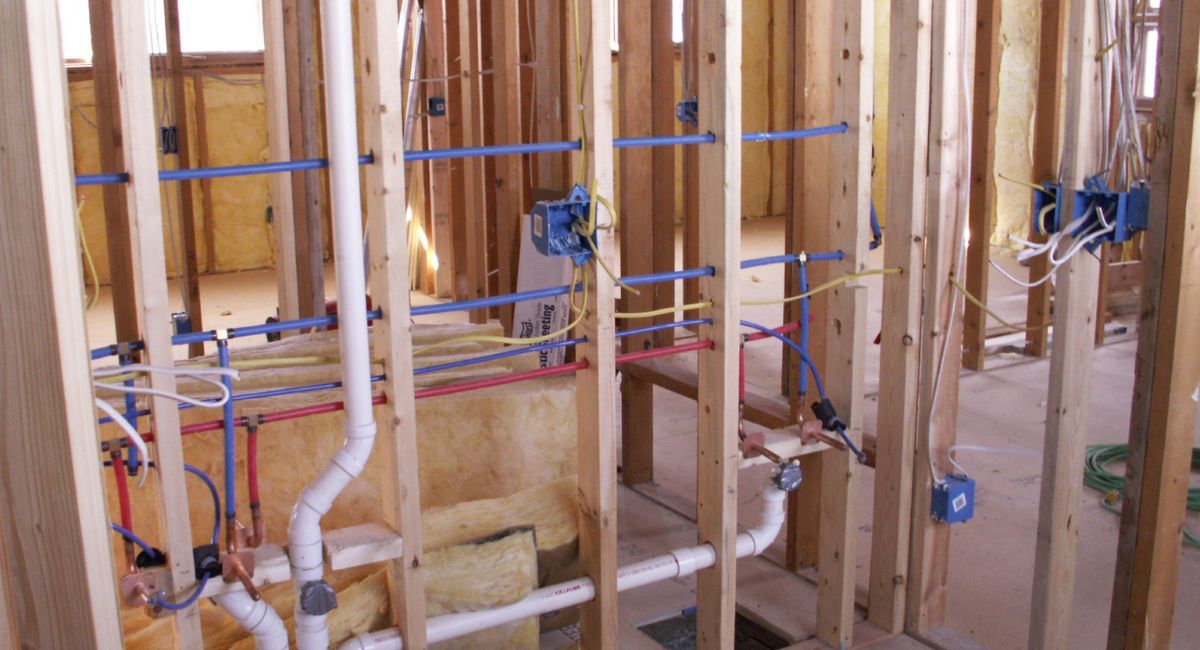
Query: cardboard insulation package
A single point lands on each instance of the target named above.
(497, 478)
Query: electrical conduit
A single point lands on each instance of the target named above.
(676, 564)
(315, 598)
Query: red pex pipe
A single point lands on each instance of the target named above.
(122, 491)
(252, 464)
(452, 389)
(652, 353)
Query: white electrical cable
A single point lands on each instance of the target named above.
(134, 437)
(1014, 451)
(200, 374)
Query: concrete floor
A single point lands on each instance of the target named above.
(991, 563)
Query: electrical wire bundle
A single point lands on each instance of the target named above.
(1112, 486)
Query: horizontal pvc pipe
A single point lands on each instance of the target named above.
(455, 152)
(679, 563)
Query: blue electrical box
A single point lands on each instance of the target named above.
(1048, 196)
(953, 499)
(1128, 212)
(688, 112)
(553, 226)
(437, 106)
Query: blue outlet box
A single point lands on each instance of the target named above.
(1049, 195)
(953, 499)
(553, 226)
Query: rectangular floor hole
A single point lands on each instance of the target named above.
(679, 633)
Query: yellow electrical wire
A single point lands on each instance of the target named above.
(591, 230)
(510, 340)
(980, 304)
(1024, 182)
(664, 310)
(87, 256)
(825, 286)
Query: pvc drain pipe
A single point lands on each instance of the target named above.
(315, 597)
(257, 618)
(678, 563)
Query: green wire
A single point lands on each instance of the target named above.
(1112, 486)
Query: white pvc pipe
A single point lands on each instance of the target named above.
(304, 529)
(257, 618)
(678, 563)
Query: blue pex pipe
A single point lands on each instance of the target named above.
(457, 152)
(511, 352)
(804, 358)
(230, 441)
(664, 326)
(792, 258)
(131, 416)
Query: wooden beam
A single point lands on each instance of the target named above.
(510, 173)
(596, 390)
(106, 88)
(456, 111)
(845, 321)
(636, 76)
(283, 223)
(441, 194)
(1071, 359)
(986, 99)
(203, 159)
(190, 273)
(474, 271)
(301, 47)
(551, 168)
(53, 522)
(808, 229)
(691, 155)
(904, 249)
(134, 104)
(662, 116)
(1047, 133)
(383, 135)
(1167, 367)
(952, 37)
(718, 52)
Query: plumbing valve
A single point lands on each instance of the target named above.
(787, 476)
(317, 598)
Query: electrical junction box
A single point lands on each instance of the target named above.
(953, 499)
(552, 226)
(1128, 212)
(437, 106)
(1049, 195)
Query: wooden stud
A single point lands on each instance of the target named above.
(509, 174)
(1168, 364)
(904, 249)
(636, 77)
(808, 229)
(383, 134)
(1047, 132)
(283, 223)
(845, 321)
(474, 273)
(596, 398)
(134, 105)
(691, 155)
(985, 97)
(203, 160)
(107, 89)
(718, 51)
(456, 111)
(441, 194)
(952, 37)
(187, 210)
(487, 115)
(549, 95)
(662, 116)
(1071, 358)
(301, 47)
(53, 523)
